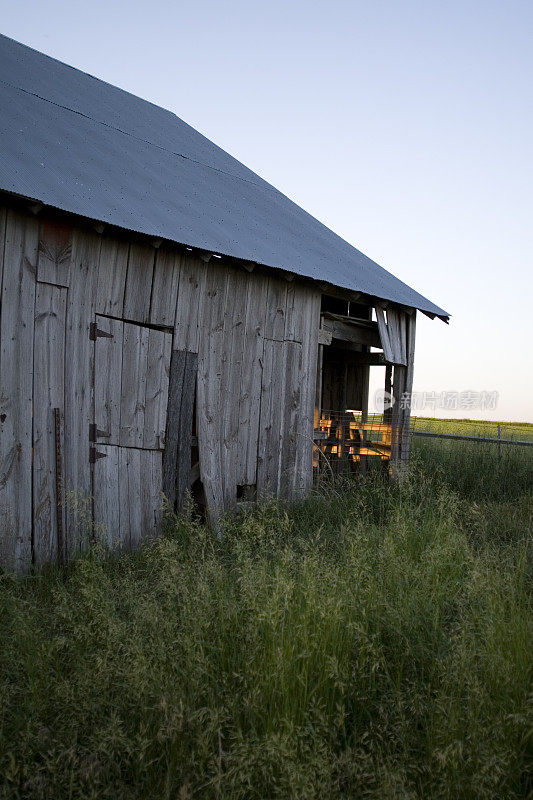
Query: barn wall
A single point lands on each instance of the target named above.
(255, 339)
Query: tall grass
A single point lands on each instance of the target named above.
(372, 642)
(477, 470)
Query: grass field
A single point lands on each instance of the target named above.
(477, 470)
(522, 431)
(371, 642)
(471, 427)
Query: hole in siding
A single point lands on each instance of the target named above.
(247, 492)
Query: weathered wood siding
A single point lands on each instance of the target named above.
(16, 389)
(248, 343)
(397, 332)
(48, 394)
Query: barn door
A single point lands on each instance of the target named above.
(131, 372)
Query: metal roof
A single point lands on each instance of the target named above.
(76, 143)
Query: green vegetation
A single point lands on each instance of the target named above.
(477, 470)
(372, 642)
(471, 427)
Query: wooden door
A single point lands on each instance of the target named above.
(131, 378)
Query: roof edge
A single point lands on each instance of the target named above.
(323, 284)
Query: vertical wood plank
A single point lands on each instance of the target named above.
(392, 335)
(270, 425)
(402, 319)
(319, 383)
(79, 396)
(49, 361)
(55, 253)
(387, 413)
(210, 402)
(384, 335)
(172, 438)
(395, 336)
(133, 393)
(156, 399)
(178, 437)
(16, 387)
(393, 329)
(130, 496)
(112, 269)
(275, 309)
(108, 378)
(291, 413)
(304, 445)
(130, 490)
(401, 416)
(298, 295)
(165, 288)
(190, 307)
(183, 471)
(408, 388)
(107, 501)
(151, 500)
(365, 384)
(139, 282)
(250, 393)
(398, 387)
(232, 364)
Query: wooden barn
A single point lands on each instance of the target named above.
(169, 322)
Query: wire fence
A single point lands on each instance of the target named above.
(345, 440)
(481, 460)
(348, 441)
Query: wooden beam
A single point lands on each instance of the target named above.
(320, 362)
(406, 416)
(365, 323)
(324, 336)
(368, 359)
(353, 332)
(387, 412)
(330, 290)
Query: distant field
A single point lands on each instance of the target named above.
(469, 427)
(473, 427)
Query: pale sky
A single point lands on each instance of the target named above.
(406, 127)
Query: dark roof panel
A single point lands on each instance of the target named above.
(81, 145)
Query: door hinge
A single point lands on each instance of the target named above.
(94, 455)
(95, 433)
(96, 333)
